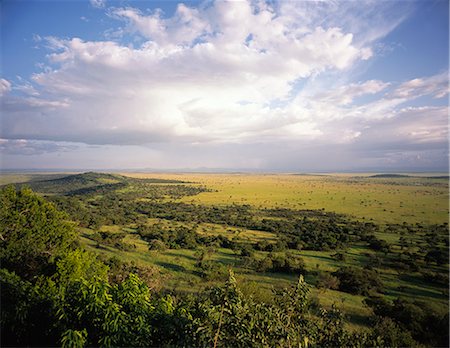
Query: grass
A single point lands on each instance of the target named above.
(393, 200)
(14, 178)
(416, 199)
(352, 305)
(181, 274)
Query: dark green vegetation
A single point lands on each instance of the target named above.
(407, 176)
(107, 260)
(101, 183)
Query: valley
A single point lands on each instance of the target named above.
(187, 230)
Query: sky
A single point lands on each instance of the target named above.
(265, 85)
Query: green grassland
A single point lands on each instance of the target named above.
(179, 274)
(418, 199)
(412, 200)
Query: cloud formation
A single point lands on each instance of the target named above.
(98, 3)
(5, 86)
(32, 147)
(224, 73)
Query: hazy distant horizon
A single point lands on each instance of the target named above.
(268, 86)
(213, 171)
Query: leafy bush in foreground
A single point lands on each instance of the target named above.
(33, 233)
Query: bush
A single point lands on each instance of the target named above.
(262, 245)
(33, 233)
(114, 240)
(178, 237)
(378, 244)
(244, 250)
(156, 244)
(327, 281)
(339, 256)
(211, 270)
(437, 278)
(391, 334)
(437, 256)
(424, 324)
(282, 263)
(358, 281)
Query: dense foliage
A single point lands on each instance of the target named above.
(33, 233)
(416, 317)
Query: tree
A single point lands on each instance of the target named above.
(358, 280)
(390, 334)
(327, 281)
(156, 244)
(423, 323)
(225, 317)
(437, 256)
(340, 256)
(33, 232)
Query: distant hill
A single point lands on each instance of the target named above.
(408, 176)
(390, 176)
(88, 183)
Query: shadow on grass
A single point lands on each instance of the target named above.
(414, 292)
(358, 319)
(226, 258)
(323, 258)
(181, 255)
(171, 266)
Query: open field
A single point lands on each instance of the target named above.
(384, 200)
(418, 199)
(218, 216)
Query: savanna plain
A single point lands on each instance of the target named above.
(369, 250)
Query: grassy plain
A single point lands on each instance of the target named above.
(418, 199)
(415, 199)
(382, 200)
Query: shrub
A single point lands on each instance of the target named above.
(424, 324)
(391, 334)
(339, 256)
(211, 270)
(378, 244)
(327, 281)
(156, 244)
(282, 263)
(358, 281)
(33, 232)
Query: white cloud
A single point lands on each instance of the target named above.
(369, 20)
(5, 87)
(436, 85)
(410, 126)
(26, 88)
(98, 3)
(188, 81)
(185, 25)
(345, 95)
(30, 147)
(223, 74)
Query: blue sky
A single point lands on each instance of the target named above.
(269, 86)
